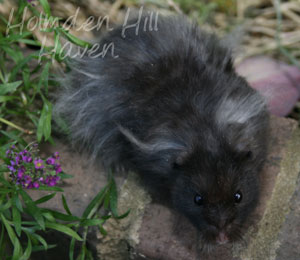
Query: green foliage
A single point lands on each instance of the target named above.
(15, 201)
(25, 110)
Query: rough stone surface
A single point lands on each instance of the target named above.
(263, 245)
(124, 234)
(289, 235)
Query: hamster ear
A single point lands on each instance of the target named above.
(238, 137)
(161, 152)
(155, 145)
(246, 139)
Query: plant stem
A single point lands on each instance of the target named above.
(15, 126)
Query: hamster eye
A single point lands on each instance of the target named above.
(249, 155)
(238, 197)
(198, 199)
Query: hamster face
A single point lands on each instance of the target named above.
(217, 193)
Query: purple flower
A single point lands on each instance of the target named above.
(27, 181)
(12, 163)
(27, 159)
(24, 152)
(39, 164)
(18, 159)
(36, 185)
(11, 168)
(52, 181)
(8, 153)
(56, 155)
(50, 161)
(27, 178)
(21, 171)
(57, 168)
(30, 171)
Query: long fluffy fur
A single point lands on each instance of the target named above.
(172, 108)
(99, 94)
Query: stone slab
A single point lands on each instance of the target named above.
(288, 243)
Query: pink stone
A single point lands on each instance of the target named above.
(278, 82)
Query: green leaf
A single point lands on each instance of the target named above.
(94, 203)
(41, 248)
(10, 232)
(32, 117)
(6, 206)
(113, 197)
(27, 85)
(17, 202)
(63, 175)
(107, 199)
(64, 201)
(92, 222)
(9, 87)
(14, 53)
(102, 231)
(64, 229)
(32, 209)
(28, 250)
(13, 136)
(44, 126)
(1, 240)
(123, 215)
(44, 199)
(46, 188)
(44, 78)
(46, 7)
(17, 220)
(16, 37)
(71, 250)
(82, 253)
(62, 216)
(7, 98)
(3, 190)
(5, 182)
(58, 48)
(21, 64)
(48, 215)
(17, 249)
(74, 39)
(30, 42)
(41, 240)
(3, 18)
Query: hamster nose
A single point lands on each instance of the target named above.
(222, 238)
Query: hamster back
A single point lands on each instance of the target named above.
(168, 104)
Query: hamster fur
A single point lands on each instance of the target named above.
(171, 108)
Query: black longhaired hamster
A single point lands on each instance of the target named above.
(167, 104)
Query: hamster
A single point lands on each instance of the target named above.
(168, 104)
